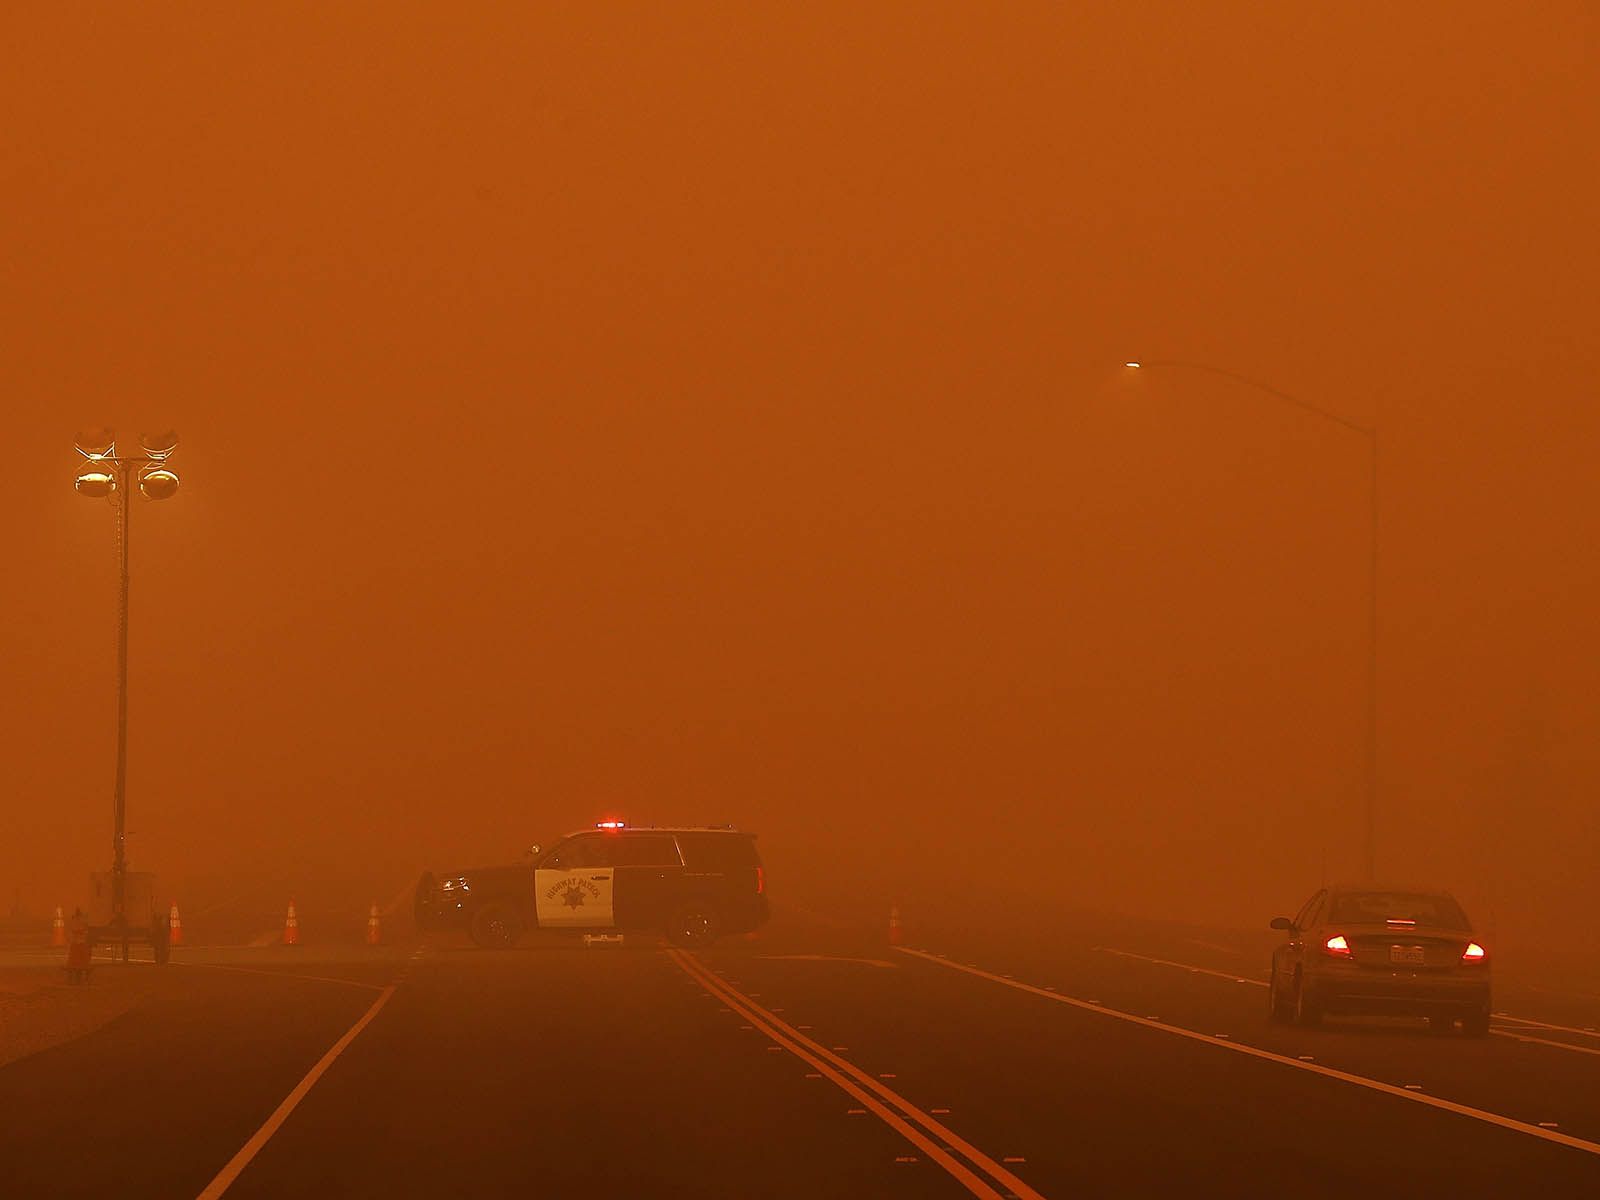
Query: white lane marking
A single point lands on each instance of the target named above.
(888, 1105)
(262, 1136)
(1528, 1037)
(869, 962)
(371, 987)
(1230, 950)
(1233, 976)
(1387, 1089)
(1588, 1033)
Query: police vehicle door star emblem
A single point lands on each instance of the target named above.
(575, 897)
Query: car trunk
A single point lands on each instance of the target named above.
(1405, 946)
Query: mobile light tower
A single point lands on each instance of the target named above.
(105, 474)
(1368, 434)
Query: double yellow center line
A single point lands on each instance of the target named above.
(975, 1170)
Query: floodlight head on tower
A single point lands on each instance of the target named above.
(96, 481)
(96, 444)
(159, 445)
(158, 482)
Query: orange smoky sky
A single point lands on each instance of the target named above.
(715, 412)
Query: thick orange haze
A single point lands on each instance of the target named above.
(716, 413)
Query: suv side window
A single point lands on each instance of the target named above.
(584, 851)
(645, 850)
(715, 853)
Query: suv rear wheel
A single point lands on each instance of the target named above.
(496, 926)
(693, 924)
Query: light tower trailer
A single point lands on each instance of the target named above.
(140, 921)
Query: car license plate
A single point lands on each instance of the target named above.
(1405, 954)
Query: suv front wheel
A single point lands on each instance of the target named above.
(693, 925)
(496, 926)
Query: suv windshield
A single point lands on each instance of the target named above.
(1377, 907)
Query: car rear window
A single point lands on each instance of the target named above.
(718, 851)
(1377, 907)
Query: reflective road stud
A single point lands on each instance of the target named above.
(291, 927)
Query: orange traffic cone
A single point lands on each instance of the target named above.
(291, 927)
(894, 925)
(374, 929)
(58, 929)
(174, 926)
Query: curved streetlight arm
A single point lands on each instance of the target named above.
(1294, 401)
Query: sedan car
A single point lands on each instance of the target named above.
(1369, 951)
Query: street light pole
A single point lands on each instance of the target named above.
(105, 473)
(1370, 433)
(119, 849)
(1372, 662)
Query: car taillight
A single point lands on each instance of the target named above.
(1337, 947)
(761, 880)
(1474, 953)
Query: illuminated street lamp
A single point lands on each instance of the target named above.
(1370, 434)
(105, 474)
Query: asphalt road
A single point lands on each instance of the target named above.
(812, 1061)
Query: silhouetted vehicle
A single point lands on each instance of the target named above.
(1369, 951)
(692, 884)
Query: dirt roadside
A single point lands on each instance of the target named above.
(39, 1010)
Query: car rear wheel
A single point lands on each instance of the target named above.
(1441, 1023)
(1279, 1011)
(1307, 1011)
(693, 925)
(496, 926)
(1476, 1024)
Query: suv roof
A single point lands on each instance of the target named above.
(626, 829)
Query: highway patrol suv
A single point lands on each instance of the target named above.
(692, 884)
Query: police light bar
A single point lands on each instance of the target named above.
(610, 824)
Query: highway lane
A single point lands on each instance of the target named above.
(1097, 1106)
(810, 1061)
(151, 1104)
(1548, 1082)
(604, 1071)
